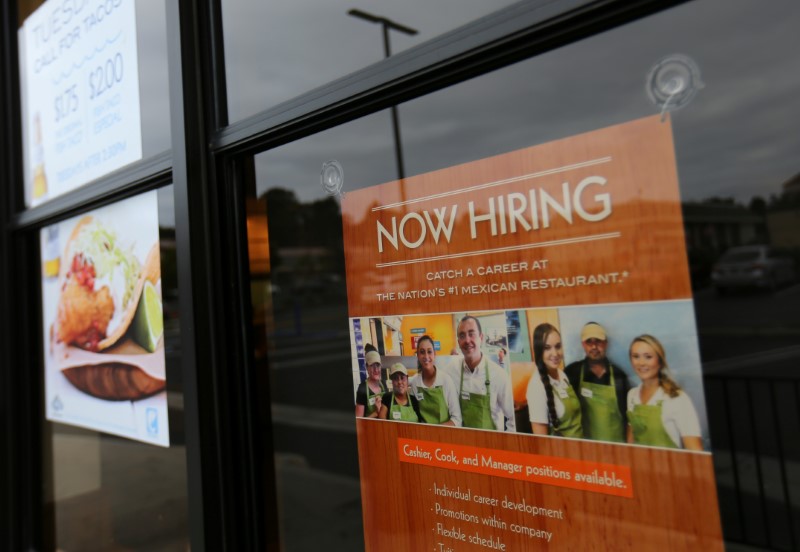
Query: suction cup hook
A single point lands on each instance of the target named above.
(332, 178)
(673, 82)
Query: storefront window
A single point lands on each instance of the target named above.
(729, 87)
(114, 452)
(279, 49)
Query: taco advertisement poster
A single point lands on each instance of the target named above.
(525, 363)
(105, 367)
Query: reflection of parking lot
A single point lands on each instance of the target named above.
(114, 494)
(747, 322)
(752, 266)
(313, 425)
(318, 507)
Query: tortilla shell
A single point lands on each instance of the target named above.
(150, 270)
(126, 372)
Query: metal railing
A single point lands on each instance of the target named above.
(755, 429)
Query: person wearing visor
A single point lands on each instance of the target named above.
(369, 393)
(399, 405)
(660, 413)
(434, 390)
(601, 387)
(485, 393)
(553, 406)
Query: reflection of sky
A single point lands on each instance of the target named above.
(166, 207)
(151, 31)
(672, 323)
(279, 49)
(737, 138)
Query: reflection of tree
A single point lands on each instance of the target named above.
(790, 196)
(714, 225)
(283, 218)
(758, 205)
(169, 264)
(296, 224)
(783, 214)
(306, 246)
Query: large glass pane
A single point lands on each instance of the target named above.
(105, 492)
(730, 84)
(278, 49)
(94, 88)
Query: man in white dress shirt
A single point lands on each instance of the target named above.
(485, 393)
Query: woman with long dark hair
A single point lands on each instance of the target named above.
(660, 413)
(553, 405)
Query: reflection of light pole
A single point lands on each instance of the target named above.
(387, 24)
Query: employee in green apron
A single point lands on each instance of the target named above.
(433, 389)
(399, 405)
(553, 406)
(485, 393)
(601, 387)
(369, 393)
(660, 413)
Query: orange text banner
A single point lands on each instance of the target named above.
(548, 470)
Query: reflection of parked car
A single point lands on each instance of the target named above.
(752, 266)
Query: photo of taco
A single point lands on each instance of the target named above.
(101, 286)
(108, 324)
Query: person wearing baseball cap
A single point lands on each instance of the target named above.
(601, 386)
(369, 393)
(399, 405)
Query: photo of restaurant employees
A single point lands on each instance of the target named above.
(614, 373)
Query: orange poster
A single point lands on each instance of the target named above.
(525, 360)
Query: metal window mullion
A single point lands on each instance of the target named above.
(21, 503)
(258, 503)
(189, 233)
(206, 322)
(782, 458)
(10, 130)
(212, 30)
(759, 469)
(734, 464)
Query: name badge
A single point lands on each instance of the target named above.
(586, 392)
(465, 395)
(395, 415)
(420, 396)
(372, 401)
(562, 393)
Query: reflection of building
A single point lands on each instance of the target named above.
(784, 216)
(783, 228)
(718, 226)
(791, 188)
(306, 268)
